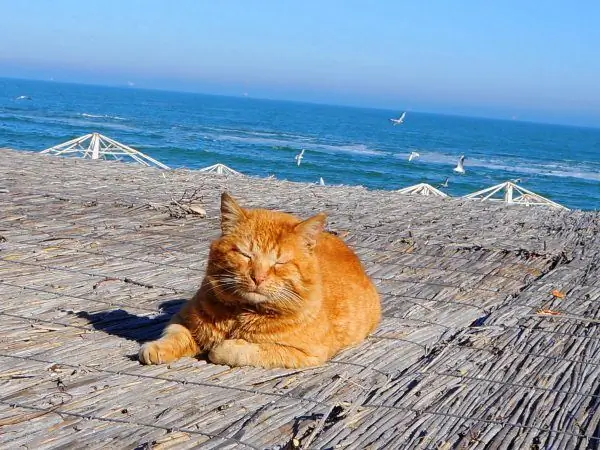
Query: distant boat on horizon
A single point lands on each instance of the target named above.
(399, 120)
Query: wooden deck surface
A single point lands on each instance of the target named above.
(474, 350)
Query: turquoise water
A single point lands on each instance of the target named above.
(343, 145)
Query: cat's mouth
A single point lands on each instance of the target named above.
(254, 297)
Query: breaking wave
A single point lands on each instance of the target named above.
(101, 116)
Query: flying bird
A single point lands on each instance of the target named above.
(299, 157)
(399, 120)
(412, 156)
(445, 183)
(321, 181)
(460, 166)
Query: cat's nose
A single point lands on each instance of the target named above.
(259, 277)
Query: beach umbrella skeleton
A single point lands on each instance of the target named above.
(220, 169)
(98, 146)
(423, 189)
(512, 193)
(507, 192)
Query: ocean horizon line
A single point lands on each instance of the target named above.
(242, 96)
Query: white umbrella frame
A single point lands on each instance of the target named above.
(98, 146)
(513, 194)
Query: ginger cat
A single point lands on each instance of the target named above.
(278, 292)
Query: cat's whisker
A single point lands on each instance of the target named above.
(230, 272)
(293, 294)
(225, 274)
(225, 284)
(287, 297)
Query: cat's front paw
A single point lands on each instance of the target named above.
(156, 352)
(232, 352)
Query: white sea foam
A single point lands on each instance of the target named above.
(295, 144)
(78, 122)
(554, 170)
(102, 116)
(350, 148)
(514, 165)
(259, 133)
(276, 135)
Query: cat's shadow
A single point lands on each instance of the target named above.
(123, 324)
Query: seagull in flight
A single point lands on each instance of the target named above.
(321, 181)
(412, 156)
(399, 120)
(299, 157)
(460, 166)
(445, 183)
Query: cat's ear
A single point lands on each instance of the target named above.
(310, 229)
(231, 213)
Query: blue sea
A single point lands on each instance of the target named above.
(343, 145)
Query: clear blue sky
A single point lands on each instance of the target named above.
(532, 59)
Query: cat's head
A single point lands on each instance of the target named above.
(264, 257)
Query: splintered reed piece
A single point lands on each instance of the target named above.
(98, 146)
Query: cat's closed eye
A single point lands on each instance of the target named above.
(242, 252)
(282, 258)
